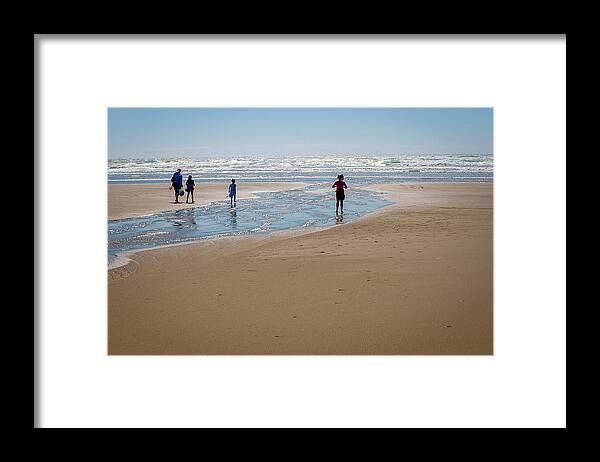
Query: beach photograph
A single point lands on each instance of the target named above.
(300, 231)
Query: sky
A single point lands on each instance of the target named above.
(207, 132)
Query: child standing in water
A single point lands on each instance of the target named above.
(232, 193)
(340, 195)
(189, 187)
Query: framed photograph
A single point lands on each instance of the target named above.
(319, 231)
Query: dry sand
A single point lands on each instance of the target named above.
(412, 278)
(126, 200)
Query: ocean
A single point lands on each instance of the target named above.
(357, 169)
(308, 207)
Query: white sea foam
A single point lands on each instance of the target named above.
(300, 168)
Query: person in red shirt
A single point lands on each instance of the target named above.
(340, 195)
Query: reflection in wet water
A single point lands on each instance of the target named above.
(233, 213)
(273, 211)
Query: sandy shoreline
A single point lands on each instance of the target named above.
(412, 278)
(127, 200)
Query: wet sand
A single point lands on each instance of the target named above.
(127, 201)
(413, 278)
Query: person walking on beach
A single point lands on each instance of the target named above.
(177, 183)
(340, 195)
(189, 187)
(232, 193)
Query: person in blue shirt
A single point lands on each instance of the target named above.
(232, 193)
(177, 183)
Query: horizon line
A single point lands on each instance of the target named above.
(275, 156)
